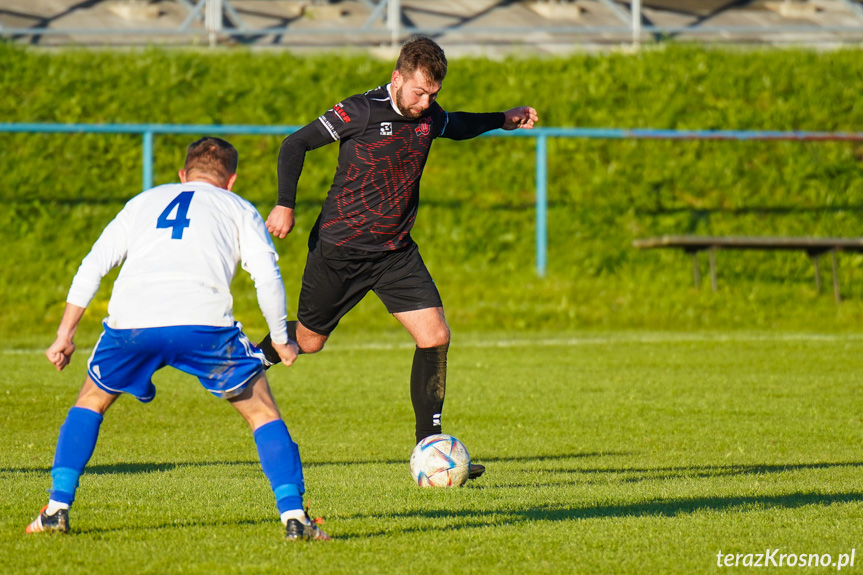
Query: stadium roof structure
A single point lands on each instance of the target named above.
(478, 27)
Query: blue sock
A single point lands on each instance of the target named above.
(75, 445)
(280, 459)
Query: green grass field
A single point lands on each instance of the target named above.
(619, 452)
(629, 422)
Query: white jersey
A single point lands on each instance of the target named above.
(181, 244)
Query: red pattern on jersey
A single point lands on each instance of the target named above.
(380, 191)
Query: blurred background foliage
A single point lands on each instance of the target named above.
(476, 226)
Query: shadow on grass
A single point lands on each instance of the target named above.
(149, 467)
(468, 519)
(629, 474)
(695, 471)
(560, 511)
(132, 468)
(472, 519)
(624, 475)
(177, 524)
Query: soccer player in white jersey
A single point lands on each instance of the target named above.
(171, 305)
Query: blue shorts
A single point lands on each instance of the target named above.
(222, 358)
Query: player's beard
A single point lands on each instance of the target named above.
(406, 111)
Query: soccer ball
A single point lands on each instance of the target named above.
(440, 461)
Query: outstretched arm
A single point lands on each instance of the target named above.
(521, 117)
(465, 125)
(60, 352)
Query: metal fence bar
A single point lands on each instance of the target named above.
(148, 132)
(245, 129)
(541, 203)
(653, 134)
(147, 160)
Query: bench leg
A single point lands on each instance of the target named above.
(836, 294)
(816, 261)
(696, 272)
(713, 268)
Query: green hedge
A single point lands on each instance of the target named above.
(476, 224)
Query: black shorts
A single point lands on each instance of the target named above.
(337, 278)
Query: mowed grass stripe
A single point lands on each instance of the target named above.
(649, 454)
(472, 340)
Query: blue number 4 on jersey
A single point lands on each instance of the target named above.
(180, 221)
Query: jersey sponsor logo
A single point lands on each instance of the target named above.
(339, 111)
(329, 127)
(424, 129)
(386, 128)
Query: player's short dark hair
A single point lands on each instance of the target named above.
(422, 53)
(212, 156)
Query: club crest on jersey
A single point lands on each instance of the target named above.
(424, 129)
(339, 111)
(386, 128)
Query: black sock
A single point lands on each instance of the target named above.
(266, 345)
(428, 388)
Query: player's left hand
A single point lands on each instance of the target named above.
(60, 352)
(288, 352)
(521, 117)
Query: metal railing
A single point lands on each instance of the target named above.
(386, 22)
(541, 135)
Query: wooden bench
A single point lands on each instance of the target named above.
(815, 247)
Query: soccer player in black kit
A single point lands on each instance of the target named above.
(361, 240)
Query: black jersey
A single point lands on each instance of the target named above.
(373, 202)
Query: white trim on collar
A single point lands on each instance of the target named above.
(392, 102)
